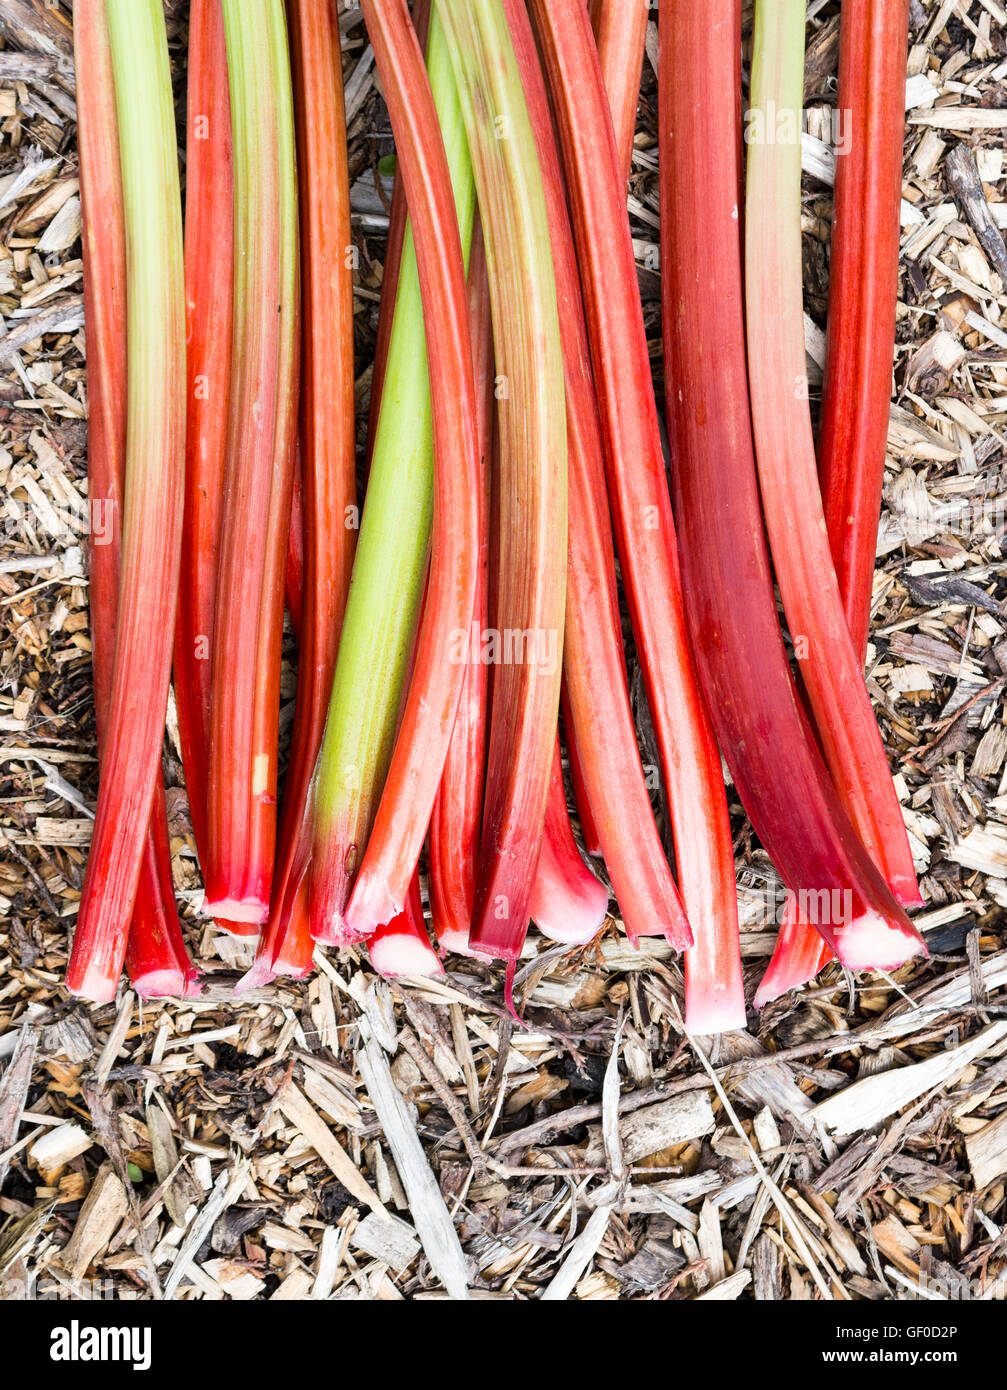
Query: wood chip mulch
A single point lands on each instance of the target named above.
(346, 1138)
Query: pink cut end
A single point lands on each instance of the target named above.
(94, 985)
(401, 953)
(870, 942)
(371, 906)
(239, 916)
(258, 974)
(721, 1011)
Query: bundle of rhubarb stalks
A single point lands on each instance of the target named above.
(458, 592)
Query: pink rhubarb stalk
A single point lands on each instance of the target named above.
(785, 452)
(597, 690)
(327, 457)
(774, 762)
(151, 492)
(532, 500)
(261, 427)
(644, 528)
(407, 801)
(620, 28)
(568, 904)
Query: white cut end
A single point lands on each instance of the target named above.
(570, 929)
(399, 953)
(870, 942)
(455, 942)
(95, 986)
(162, 984)
(235, 913)
(719, 1014)
(371, 906)
(255, 977)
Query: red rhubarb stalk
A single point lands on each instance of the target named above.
(327, 458)
(402, 946)
(248, 621)
(785, 451)
(456, 823)
(293, 582)
(398, 218)
(863, 289)
(620, 28)
(382, 609)
(532, 502)
(861, 326)
(152, 494)
(407, 801)
(774, 762)
(588, 828)
(644, 528)
(156, 958)
(208, 292)
(568, 903)
(597, 690)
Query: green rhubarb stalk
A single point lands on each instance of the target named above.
(382, 610)
(532, 501)
(152, 510)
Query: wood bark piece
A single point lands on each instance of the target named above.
(964, 182)
(657, 1127)
(987, 1152)
(104, 1208)
(867, 1103)
(303, 1116)
(13, 1090)
(433, 1221)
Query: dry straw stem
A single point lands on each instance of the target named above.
(533, 464)
(152, 501)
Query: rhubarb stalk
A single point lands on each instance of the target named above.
(388, 570)
(785, 452)
(208, 290)
(248, 621)
(863, 290)
(600, 714)
(152, 494)
(156, 958)
(532, 499)
(644, 528)
(393, 263)
(403, 814)
(402, 946)
(774, 762)
(568, 904)
(456, 822)
(863, 293)
(620, 28)
(327, 455)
